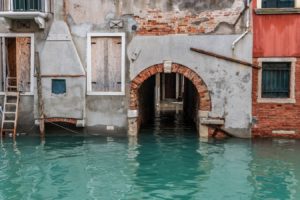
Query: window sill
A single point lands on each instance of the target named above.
(21, 94)
(277, 11)
(276, 100)
(23, 14)
(105, 93)
(37, 16)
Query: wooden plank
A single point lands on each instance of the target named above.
(106, 64)
(40, 96)
(16, 115)
(23, 58)
(114, 62)
(225, 58)
(97, 64)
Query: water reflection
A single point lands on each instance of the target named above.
(164, 167)
(154, 166)
(275, 169)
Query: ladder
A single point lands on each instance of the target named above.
(10, 107)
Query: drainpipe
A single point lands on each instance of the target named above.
(247, 27)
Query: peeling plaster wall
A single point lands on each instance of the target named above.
(210, 21)
(192, 16)
(92, 11)
(27, 108)
(93, 16)
(158, 17)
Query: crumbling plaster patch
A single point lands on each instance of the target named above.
(159, 16)
(91, 11)
(158, 20)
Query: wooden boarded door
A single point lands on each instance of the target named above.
(11, 64)
(23, 51)
(106, 64)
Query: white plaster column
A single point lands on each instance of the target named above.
(202, 129)
(133, 126)
(297, 4)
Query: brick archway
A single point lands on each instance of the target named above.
(204, 96)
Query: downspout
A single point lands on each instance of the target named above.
(247, 27)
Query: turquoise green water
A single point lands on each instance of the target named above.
(161, 164)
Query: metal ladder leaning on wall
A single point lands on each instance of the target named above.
(10, 107)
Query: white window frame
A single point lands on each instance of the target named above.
(259, 4)
(45, 6)
(291, 99)
(89, 63)
(31, 36)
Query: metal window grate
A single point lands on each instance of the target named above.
(278, 3)
(276, 80)
(27, 5)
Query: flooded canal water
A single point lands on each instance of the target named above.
(165, 162)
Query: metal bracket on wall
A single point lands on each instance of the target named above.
(116, 23)
(225, 58)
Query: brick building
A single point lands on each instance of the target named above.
(276, 86)
(104, 64)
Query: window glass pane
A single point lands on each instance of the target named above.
(19, 5)
(33, 4)
(278, 3)
(106, 64)
(59, 86)
(27, 5)
(276, 80)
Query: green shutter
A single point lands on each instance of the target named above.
(276, 80)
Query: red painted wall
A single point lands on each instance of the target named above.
(275, 116)
(276, 35)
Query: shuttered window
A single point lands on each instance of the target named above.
(278, 3)
(276, 80)
(106, 64)
(27, 5)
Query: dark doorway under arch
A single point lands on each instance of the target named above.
(143, 94)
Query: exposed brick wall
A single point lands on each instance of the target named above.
(217, 134)
(204, 100)
(275, 116)
(158, 22)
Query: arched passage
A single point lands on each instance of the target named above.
(204, 99)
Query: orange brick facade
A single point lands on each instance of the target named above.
(156, 22)
(204, 100)
(271, 117)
